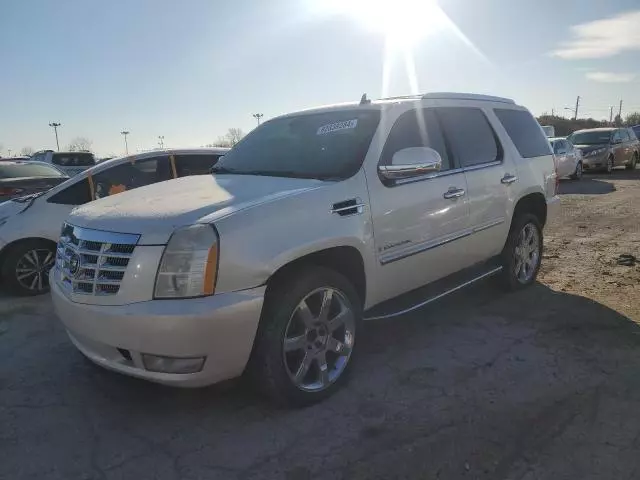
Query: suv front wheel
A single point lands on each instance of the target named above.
(306, 341)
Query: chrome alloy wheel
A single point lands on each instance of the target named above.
(319, 339)
(32, 269)
(527, 253)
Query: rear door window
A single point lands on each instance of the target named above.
(617, 137)
(130, 175)
(470, 135)
(524, 131)
(195, 164)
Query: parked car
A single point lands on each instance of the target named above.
(19, 178)
(568, 158)
(606, 148)
(636, 130)
(71, 163)
(314, 221)
(30, 225)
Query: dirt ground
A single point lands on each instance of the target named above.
(542, 384)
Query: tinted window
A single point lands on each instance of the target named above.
(38, 157)
(471, 137)
(590, 137)
(195, 164)
(416, 128)
(636, 130)
(616, 137)
(77, 194)
(524, 132)
(17, 170)
(624, 135)
(73, 159)
(128, 176)
(330, 145)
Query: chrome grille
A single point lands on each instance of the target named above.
(93, 262)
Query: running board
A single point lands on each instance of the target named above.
(407, 302)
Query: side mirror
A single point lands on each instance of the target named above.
(411, 162)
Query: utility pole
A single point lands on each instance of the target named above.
(611, 115)
(553, 112)
(126, 146)
(258, 116)
(55, 129)
(620, 111)
(161, 141)
(575, 115)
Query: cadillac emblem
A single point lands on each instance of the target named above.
(74, 264)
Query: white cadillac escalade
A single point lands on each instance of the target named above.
(314, 222)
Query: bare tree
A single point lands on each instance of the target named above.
(27, 151)
(80, 144)
(633, 119)
(229, 139)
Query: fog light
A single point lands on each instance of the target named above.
(155, 363)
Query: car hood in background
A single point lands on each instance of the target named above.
(156, 210)
(590, 148)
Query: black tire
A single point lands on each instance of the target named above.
(634, 161)
(577, 175)
(15, 261)
(269, 364)
(509, 277)
(609, 166)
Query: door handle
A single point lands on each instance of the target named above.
(508, 179)
(454, 193)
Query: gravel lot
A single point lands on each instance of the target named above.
(542, 384)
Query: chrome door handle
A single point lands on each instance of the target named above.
(454, 193)
(508, 179)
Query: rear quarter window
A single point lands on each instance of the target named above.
(525, 132)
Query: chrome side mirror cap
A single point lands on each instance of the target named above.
(411, 162)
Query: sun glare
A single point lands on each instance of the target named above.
(402, 22)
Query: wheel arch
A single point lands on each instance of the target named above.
(346, 260)
(535, 203)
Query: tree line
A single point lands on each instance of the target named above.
(566, 126)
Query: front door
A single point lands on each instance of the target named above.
(618, 148)
(420, 224)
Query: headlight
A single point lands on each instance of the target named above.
(595, 152)
(189, 264)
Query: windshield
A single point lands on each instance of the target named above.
(590, 138)
(19, 170)
(329, 145)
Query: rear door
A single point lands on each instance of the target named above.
(488, 174)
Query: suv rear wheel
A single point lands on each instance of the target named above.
(609, 167)
(25, 267)
(522, 254)
(305, 344)
(633, 163)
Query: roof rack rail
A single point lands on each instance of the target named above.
(403, 97)
(466, 96)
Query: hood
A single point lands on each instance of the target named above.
(156, 210)
(591, 148)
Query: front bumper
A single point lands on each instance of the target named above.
(594, 163)
(221, 328)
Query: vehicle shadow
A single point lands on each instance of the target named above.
(586, 186)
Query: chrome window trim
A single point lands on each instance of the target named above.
(445, 173)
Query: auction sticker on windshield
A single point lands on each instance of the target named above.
(337, 126)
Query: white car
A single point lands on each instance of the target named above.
(568, 158)
(30, 225)
(313, 222)
(71, 163)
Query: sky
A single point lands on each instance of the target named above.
(190, 70)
